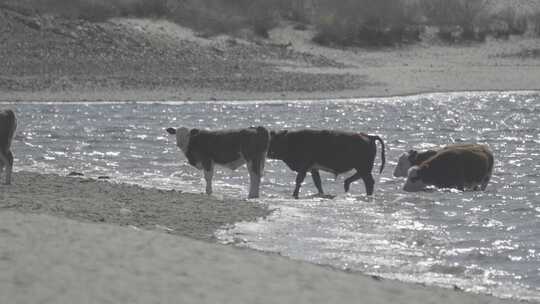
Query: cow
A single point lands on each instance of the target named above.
(458, 166)
(332, 151)
(8, 125)
(415, 158)
(229, 148)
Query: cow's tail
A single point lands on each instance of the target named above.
(383, 157)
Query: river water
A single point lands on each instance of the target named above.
(485, 242)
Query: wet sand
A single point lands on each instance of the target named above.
(73, 240)
(100, 201)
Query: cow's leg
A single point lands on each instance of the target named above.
(299, 179)
(317, 180)
(9, 168)
(352, 179)
(1, 165)
(485, 181)
(255, 169)
(208, 168)
(369, 182)
(4, 162)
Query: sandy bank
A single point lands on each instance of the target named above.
(109, 254)
(45, 259)
(88, 200)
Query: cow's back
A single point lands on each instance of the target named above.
(478, 163)
(225, 146)
(450, 165)
(8, 124)
(337, 150)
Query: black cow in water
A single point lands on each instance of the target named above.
(228, 148)
(8, 125)
(332, 151)
(456, 166)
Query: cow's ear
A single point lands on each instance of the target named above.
(412, 155)
(171, 131)
(194, 132)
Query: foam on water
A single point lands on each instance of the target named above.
(483, 242)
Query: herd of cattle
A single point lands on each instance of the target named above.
(454, 166)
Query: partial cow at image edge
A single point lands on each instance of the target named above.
(8, 125)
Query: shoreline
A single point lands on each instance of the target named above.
(106, 233)
(247, 97)
(100, 201)
(104, 263)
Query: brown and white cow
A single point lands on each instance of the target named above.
(228, 148)
(8, 125)
(460, 167)
(415, 158)
(336, 152)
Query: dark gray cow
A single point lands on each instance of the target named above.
(8, 125)
(228, 148)
(415, 158)
(332, 151)
(459, 166)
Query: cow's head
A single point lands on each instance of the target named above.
(182, 137)
(414, 181)
(278, 145)
(406, 161)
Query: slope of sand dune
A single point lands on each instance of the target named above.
(44, 259)
(46, 58)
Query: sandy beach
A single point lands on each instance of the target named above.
(66, 240)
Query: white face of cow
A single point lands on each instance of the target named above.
(414, 183)
(182, 139)
(403, 165)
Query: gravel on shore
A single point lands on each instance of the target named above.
(89, 200)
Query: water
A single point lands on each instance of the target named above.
(485, 242)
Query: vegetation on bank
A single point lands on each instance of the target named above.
(337, 22)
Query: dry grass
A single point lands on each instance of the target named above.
(338, 22)
(366, 22)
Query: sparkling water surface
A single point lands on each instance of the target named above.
(485, 242)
